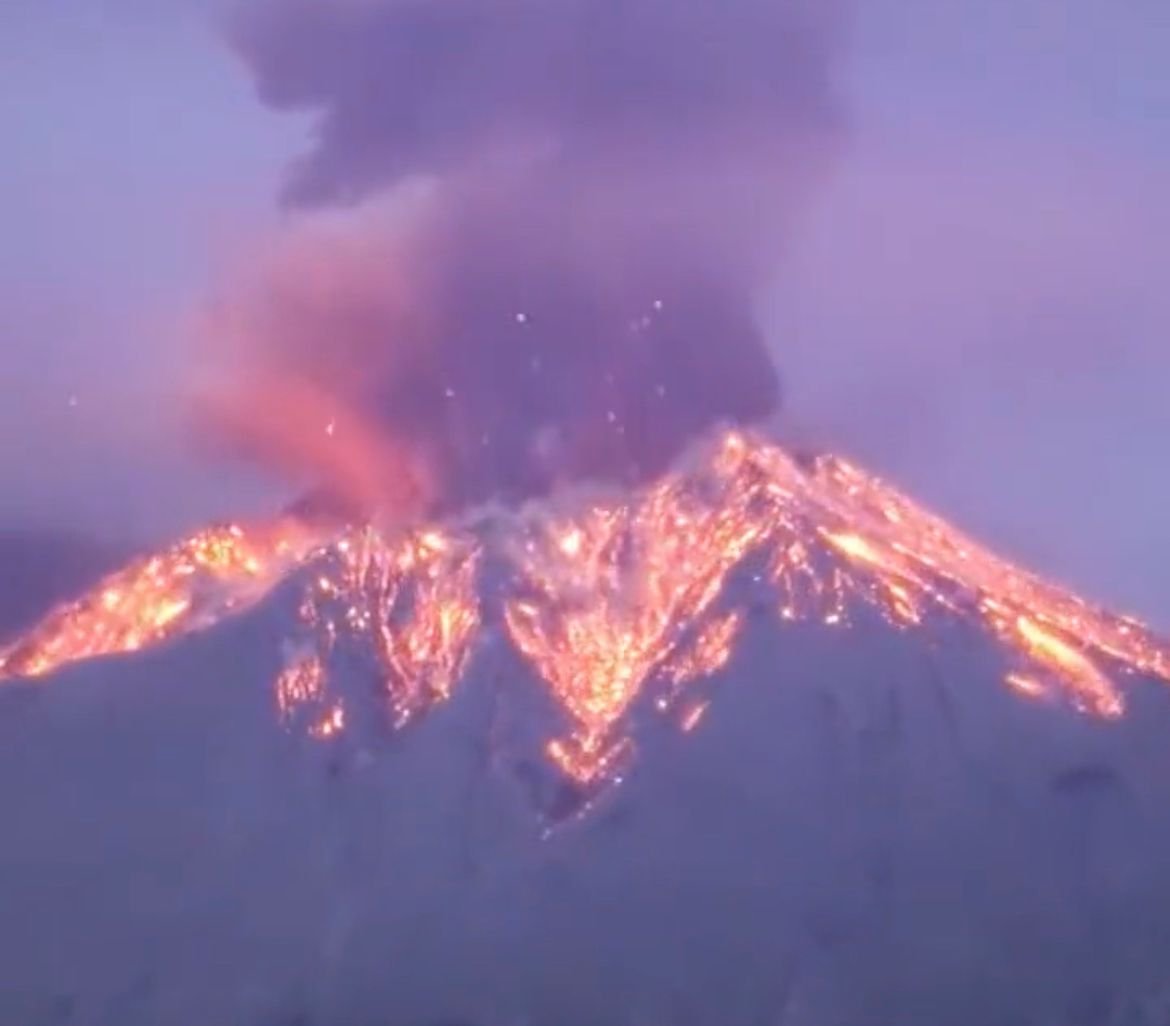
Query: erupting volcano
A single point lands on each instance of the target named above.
(616, 603)
(564, 693)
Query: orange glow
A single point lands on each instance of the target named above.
(709, 652)
(332, 723)
(300, 684)
(214, 572)
(1025, 685)
(615, 605)
(1088, 685)
(608, 600)
(362, 464)
(692, 716)
(410, 602)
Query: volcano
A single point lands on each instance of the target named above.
(763, 741)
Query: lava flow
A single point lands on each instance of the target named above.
(216, 571)
(613, 603)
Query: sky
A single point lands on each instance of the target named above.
(972, 304)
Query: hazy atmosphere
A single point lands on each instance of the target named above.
(970, 300)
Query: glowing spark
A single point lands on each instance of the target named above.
(691, 718)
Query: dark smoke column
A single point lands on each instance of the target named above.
(614, 179)
(560, 377)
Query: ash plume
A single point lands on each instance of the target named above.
(527, 242)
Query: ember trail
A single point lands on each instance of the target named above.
(609, 602)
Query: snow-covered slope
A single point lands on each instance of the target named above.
(865, 828)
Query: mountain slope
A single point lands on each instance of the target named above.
(855, 827)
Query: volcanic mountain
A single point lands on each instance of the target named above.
(761, 742)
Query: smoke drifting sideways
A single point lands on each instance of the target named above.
(528, 241)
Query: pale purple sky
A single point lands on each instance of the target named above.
(976, 304)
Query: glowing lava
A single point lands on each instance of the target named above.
(219, 570)
(410, 604)
(613, 603)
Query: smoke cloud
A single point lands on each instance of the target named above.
(527, 242)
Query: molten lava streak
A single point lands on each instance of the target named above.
(216, 571)
(410, 604)
(613, 604)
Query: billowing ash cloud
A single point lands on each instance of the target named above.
(527, 241)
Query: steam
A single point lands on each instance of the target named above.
(527, 243)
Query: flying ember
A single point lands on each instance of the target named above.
(613, 604)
